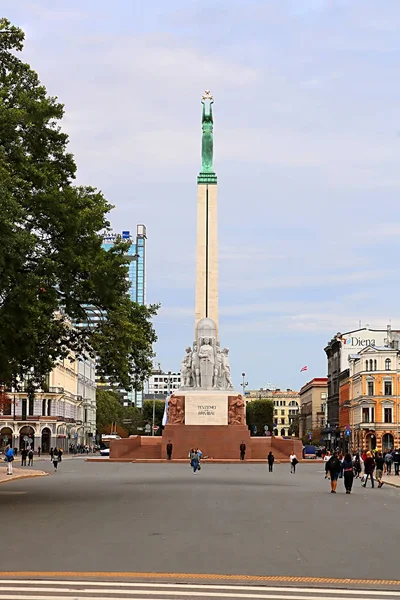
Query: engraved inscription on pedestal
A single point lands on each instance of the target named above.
(206, 409)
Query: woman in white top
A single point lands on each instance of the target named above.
(293, 462)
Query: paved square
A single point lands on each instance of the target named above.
(228, 519)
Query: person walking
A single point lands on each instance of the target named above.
(332, 470)
(357, 465)
(194, 460)
(369, 466)
(293, 463)
(60, 453)
(30, 457)
(51, 454)
(388, 462)
(169, 450)
(396, 461)
(379, 463)
(55, 460)
(24, 454)
(270, 459)
(242, 449)
(348, 473)
(9, 457)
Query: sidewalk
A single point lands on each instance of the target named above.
(392, 480)
(19, 473)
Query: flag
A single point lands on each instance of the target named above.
(304, 369)
(165, 415)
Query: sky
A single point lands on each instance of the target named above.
(306, 149)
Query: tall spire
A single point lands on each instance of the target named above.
(207, 174)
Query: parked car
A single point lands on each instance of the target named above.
(105, 452)
(309, 452)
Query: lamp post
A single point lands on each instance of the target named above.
(244, 384)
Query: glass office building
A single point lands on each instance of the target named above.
(137, 288)
(137, 262)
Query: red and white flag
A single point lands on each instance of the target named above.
(303, 369)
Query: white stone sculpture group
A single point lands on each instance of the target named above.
(206, 366)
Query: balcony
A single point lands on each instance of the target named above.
(367, 425)
(56, 390)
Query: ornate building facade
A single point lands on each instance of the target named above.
(60, 415)
(373, 398)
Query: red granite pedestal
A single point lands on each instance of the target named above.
(215, 441)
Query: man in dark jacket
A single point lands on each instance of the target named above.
(169, 450)
(333, 468)
(242, 449)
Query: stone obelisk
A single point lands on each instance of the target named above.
(207, 224)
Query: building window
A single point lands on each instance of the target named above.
(371, 365)
(24, 401)
(375, 365)
(282, 413)
(30, 407)
(275, 412)
(388, 415)
(44, 407)
(366, 365)
(282, 432)
(388, 388)
(388, 363)
(282, 421)
(368, 414)
(370, 388)
(49, 408)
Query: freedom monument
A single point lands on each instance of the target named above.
(205, 412)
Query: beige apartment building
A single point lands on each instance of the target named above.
(286, 406)
(62, 414)
(313, 403)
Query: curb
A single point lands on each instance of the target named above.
(391, 484)
(27, 476)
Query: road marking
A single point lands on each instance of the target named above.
(183, 586)
(198, 576)
(307, 594)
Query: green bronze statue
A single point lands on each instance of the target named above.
(207, 139)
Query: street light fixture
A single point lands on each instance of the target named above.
(244, 384)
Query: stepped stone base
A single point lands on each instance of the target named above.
(218, 442)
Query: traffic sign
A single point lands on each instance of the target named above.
(156, 428)
(265, 427)
(310, 436)
(348, 428)
(348, 432)
(147, 428)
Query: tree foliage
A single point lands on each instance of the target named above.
(109, 410)
(53, 269)
(258, 414)
(148, 412)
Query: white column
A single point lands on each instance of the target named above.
(207, 254)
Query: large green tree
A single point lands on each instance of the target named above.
(258, 414)
(109, 409)
(53, 270)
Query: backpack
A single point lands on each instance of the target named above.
(334, 464)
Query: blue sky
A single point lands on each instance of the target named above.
(307, 141)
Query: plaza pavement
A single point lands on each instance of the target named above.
(226, 520)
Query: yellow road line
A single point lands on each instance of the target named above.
(199, 576)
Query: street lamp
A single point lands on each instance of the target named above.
(244, 384)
